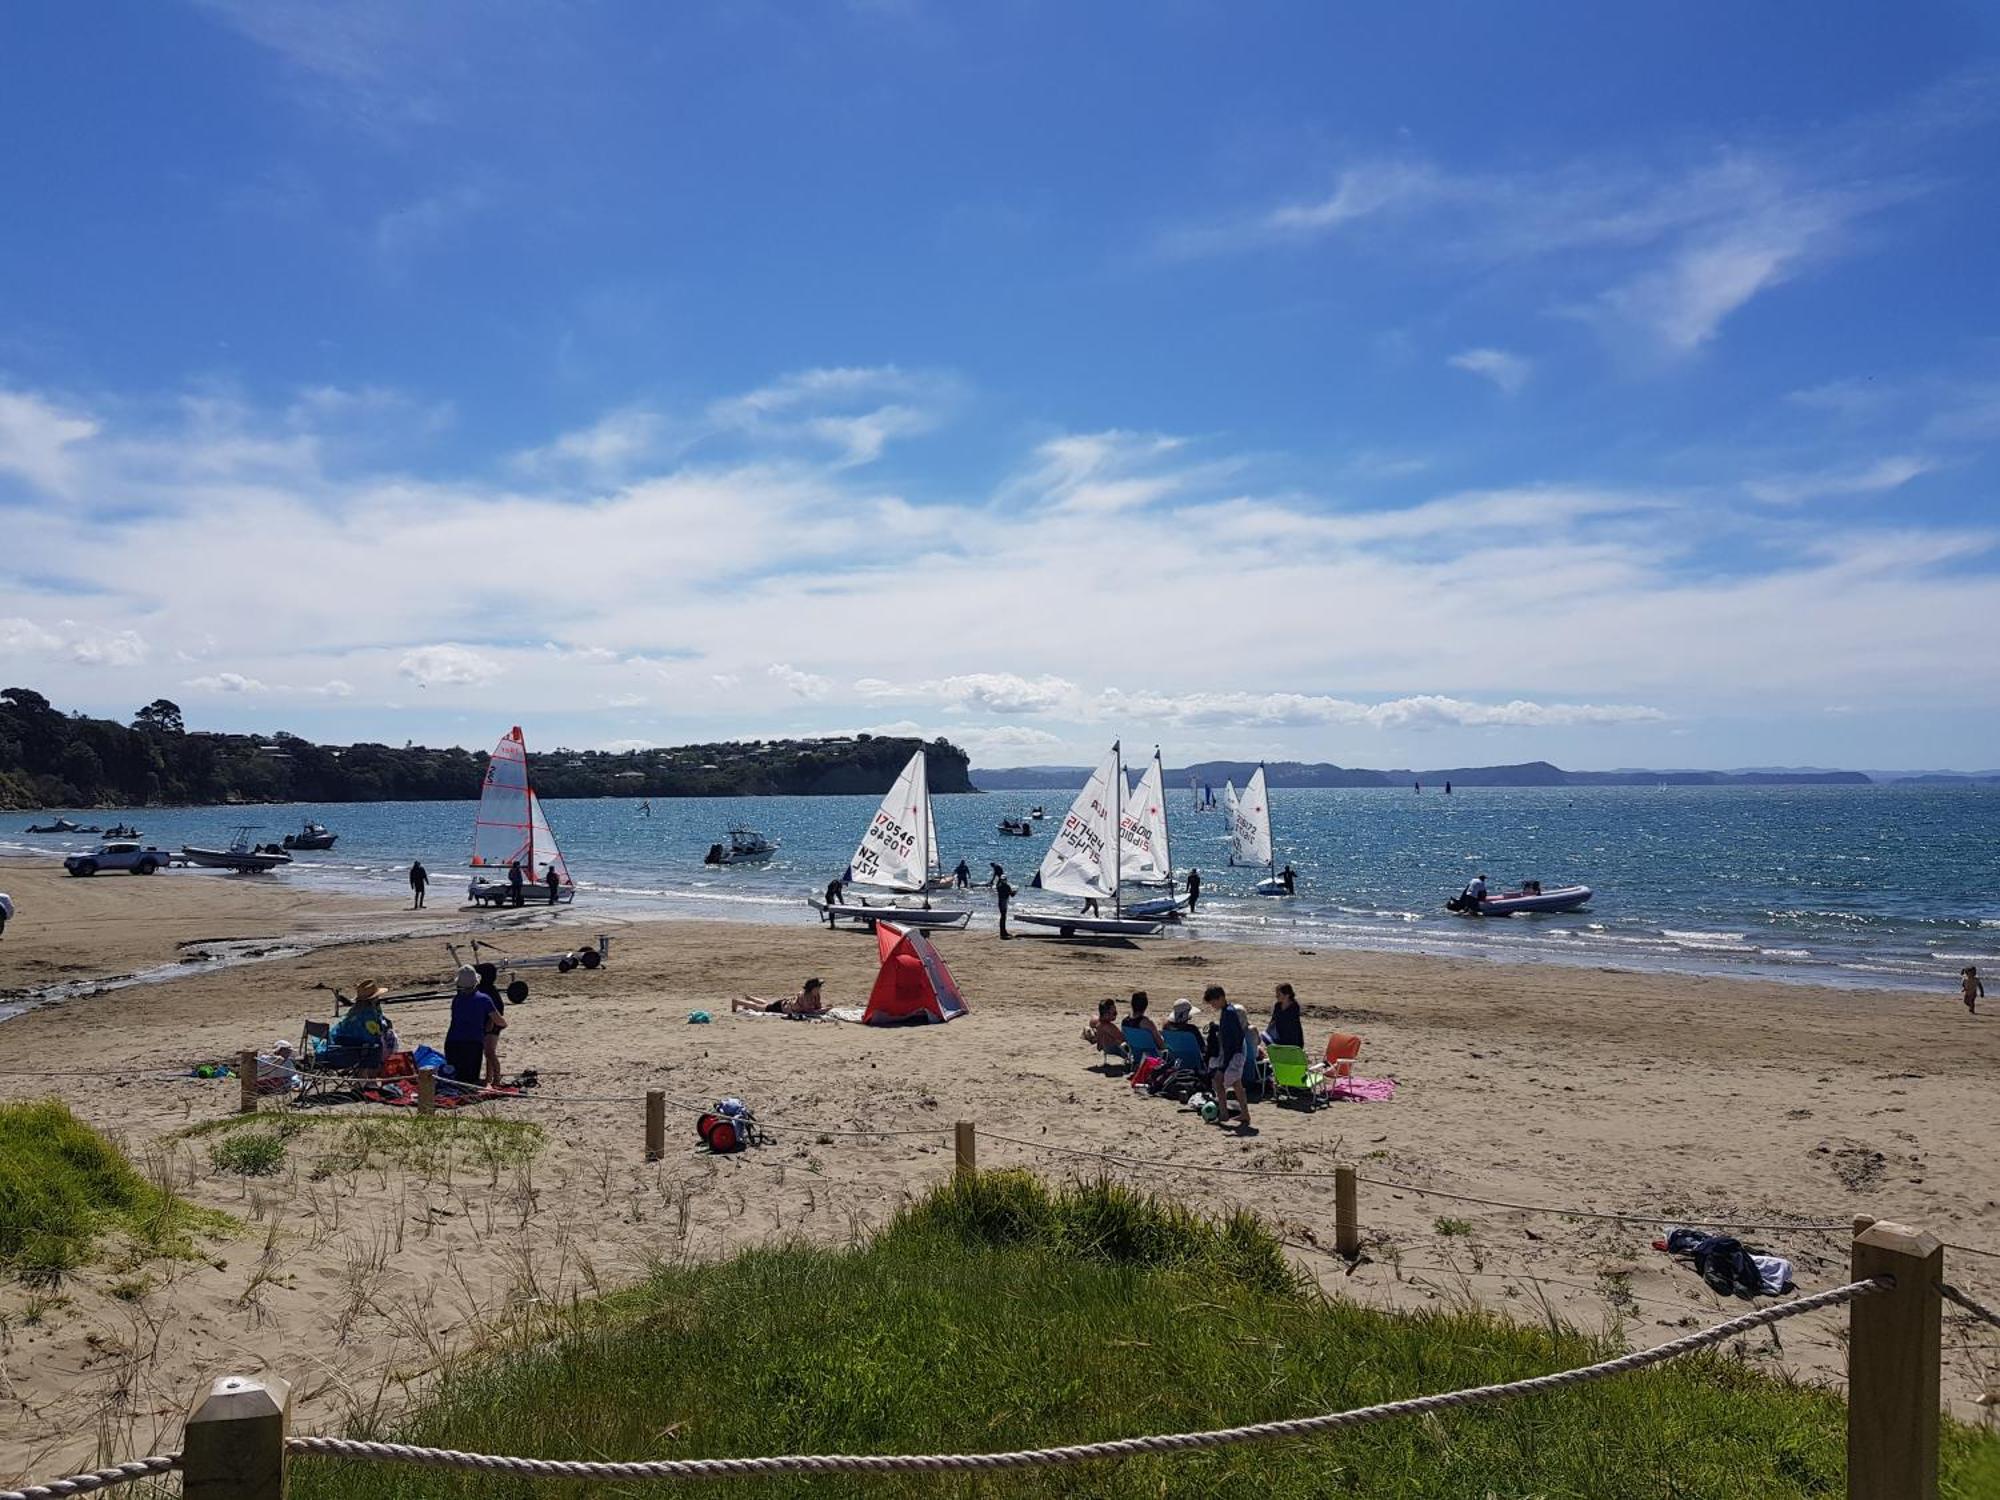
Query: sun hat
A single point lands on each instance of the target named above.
(1183, 1008)
(369, 989)
(468, 977)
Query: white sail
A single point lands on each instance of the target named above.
(1142, 830)
(935, 869)
(1250, 824)
(893, 851)
(1229, 801)
(1080, 861)
(543, 855)
(502, 831)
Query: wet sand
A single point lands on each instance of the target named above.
(360, 1271)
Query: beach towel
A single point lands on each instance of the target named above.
(852, 1014)
(1373, 1090)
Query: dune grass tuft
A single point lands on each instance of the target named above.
(1002, 1313)
(62, 1184)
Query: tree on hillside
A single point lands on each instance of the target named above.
(162, 714)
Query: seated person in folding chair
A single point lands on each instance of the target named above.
(1182, 1038)
(1105, 1034)
(1287, 1028)
(1139, 1021)
(362, 1039)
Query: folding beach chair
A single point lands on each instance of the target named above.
(1341, 1050)
(1184, 1048)
(326, 1068)
(1293, 1076)
(1139, 1042)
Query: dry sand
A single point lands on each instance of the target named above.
(359, 1272)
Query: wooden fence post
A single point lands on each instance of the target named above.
(246, 1074)
(1346, 1220)
(1893, 1374)
(427, 1091)
(966, 1141)
(234, 1445)
(656, 1124)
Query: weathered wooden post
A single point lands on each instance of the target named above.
(966, 1141)
(656, 1124)
(1893, 1369)
(1346, 1219)
(246, 1077)
(427, 1091)
(234, 1445)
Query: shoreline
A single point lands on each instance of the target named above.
(1537, 947)
(1564, 1087)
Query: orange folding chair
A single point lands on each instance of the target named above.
(1341, 1050)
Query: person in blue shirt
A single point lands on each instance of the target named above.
(1233, 1035)
(473, 1014)
(363, 1027)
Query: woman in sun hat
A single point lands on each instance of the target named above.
(365, 1028)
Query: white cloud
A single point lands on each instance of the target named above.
(37, 438)
(609, 446)
(1507, 371)
(993, 692)
(225, 682)
(800, 684)
(625, 700)
(19, 637)
(854, 411)
(1884, 474)
(448, 665)
(333, 687)
(117, 648)
(1425, 711)
(621, 747)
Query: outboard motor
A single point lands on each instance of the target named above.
(714, 855)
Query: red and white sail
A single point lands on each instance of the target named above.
(899, 850)
(1250, 824)
(1143, 857)
(1082, 859)
(510, 824)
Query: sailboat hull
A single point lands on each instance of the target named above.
(863, 915)
(533, 893)
(1067, 924)
(1272, 887)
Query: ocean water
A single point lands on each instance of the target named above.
(1875, 886)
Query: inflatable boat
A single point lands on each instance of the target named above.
(1562, 898)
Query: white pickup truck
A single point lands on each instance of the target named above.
(119, 854)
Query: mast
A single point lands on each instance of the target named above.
(1117, 833)
(1270, 842)
(1166, 844)
(925, 866)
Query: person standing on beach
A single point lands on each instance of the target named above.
(419, 879)
(1232, 1042)
(555, 884)
(6, 911)
(1002, 894)
(515, 881)
(474, 1013)
(1970, 990)
(835, 891)
(963, 874)
(1194, 890)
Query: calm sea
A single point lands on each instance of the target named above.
(1845, 885)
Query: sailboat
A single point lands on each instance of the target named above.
(510, 826)
(898, 852)
(1250, 834)
(1146, 859)
(1085, 859)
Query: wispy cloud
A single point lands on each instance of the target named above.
(1890, 473)
(448, 665)
(1425, 711)
(38, 438)
(1509, 372)
(855, 412)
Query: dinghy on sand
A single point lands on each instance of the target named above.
(1083, 861)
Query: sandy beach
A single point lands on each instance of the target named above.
(360, 1271)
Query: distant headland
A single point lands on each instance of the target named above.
(52, 759)
(1291, 773)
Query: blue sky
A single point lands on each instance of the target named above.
(1416, 385)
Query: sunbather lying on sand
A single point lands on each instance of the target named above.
(807, 1002)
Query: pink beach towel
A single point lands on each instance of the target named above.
(1377, 1090)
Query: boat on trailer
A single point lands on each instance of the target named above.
(898, 854)
(1083, 861)
(511, 827)
(242, 856)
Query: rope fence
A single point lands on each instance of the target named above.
(98, 1479)
(1971, 1304)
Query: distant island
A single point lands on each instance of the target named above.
(1291, 773)
(52, 759)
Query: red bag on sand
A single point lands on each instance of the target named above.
(719, 1134)
(1148, 1066)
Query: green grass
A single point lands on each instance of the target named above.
(62, 1185)
(251, 1154)
(1002, 1314)
(354, 1142)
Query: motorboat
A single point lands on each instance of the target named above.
(242, 855)
(312, 836)
(1529, 899)
(745, 846)
(1035, 814)
(1019, 828)
(64, 825)
(122, 831)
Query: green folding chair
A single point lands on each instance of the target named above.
(1294, 1075)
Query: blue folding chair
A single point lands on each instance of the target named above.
(1140, 1042)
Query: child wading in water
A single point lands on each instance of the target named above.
(1970, 990)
